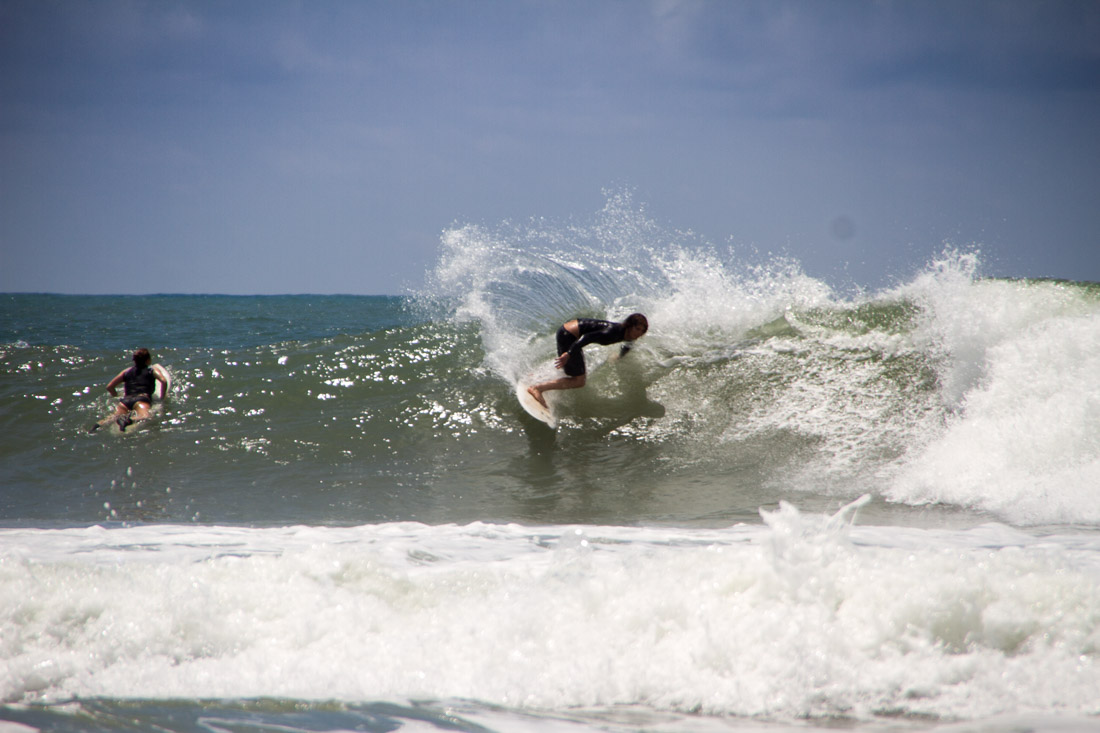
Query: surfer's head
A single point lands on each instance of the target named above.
(141, 357)
(635, 325)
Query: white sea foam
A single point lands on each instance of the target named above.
(804, 616)
(964, 317)
(1021, 364)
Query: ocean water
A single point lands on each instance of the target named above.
(789, 508)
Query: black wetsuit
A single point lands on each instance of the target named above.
(139, 385)
(592, 331)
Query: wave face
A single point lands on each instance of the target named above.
(757, 381)
(946, 396)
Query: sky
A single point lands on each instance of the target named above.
(270, 146)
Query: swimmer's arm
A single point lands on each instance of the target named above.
(576, 347)
(599, 337)
(623, 351)
(115, 382)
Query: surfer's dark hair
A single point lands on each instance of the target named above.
(141, 356)
(636, 319)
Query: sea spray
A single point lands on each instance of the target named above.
(1023, 444)
(520, 282)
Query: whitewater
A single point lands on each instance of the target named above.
(790, 507)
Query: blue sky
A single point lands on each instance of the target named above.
(323, 147)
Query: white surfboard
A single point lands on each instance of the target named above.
(160, 390)
(533, 408)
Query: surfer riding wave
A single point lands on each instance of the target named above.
(574, 335)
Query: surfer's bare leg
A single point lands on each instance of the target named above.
(536, 390)
(139, 413)
(120, 410)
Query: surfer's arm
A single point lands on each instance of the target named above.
(577, 346)
(115, 382)
(603, 337)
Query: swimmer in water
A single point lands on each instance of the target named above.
(139, 383)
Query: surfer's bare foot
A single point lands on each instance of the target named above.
(538, 397)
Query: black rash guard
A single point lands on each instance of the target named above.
(138, 382)
(592, 331)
